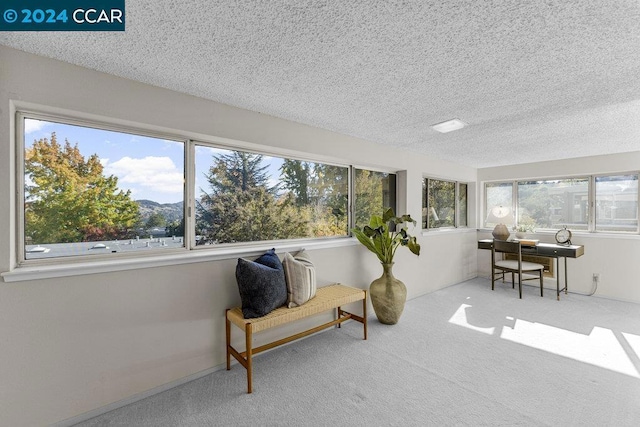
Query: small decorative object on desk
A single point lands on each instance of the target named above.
(563, 236)
(522, 230)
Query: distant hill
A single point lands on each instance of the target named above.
(171, 211)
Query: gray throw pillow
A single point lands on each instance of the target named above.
(261, 284)
(300, 274)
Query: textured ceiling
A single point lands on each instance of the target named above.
(535, 80)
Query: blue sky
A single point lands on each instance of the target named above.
(151, 168)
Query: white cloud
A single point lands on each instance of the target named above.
(147, 175)
(31, 125)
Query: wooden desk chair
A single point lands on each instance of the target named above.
(513, 266)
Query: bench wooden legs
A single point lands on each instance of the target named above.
(249, 355)
(246, 358)
(228, 334)
(341, 313)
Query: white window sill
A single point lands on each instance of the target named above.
(448, 230)
(37, 272)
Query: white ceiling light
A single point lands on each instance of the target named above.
(449, 125)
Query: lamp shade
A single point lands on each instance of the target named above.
(501, 216)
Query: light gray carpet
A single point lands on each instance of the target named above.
(463, 355)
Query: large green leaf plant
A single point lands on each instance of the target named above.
(383, 240)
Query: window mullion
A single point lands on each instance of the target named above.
(190, 196)
(592, 204)
(515, 208)
(456, 205)
(351, 196)
(20, 183)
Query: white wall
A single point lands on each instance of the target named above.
(69, 345)
(614, 256)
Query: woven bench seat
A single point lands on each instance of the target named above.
(327, 298)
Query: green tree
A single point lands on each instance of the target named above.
(369, 196)
(296, 176)
(243, 207)
(442, 202)
(330, 191)
(175, 228)
(156, 219)
(534, 202)
(238, 171)
(68, 199)
(320, 192)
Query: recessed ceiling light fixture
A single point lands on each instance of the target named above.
(449, 125)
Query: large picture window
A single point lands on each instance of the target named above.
(90, 191)
(245, 197)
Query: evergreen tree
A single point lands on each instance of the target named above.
(296, 175)
(238, 171)
(242, 207)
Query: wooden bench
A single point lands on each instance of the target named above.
(327, 298)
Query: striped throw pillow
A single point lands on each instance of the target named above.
(300, 275)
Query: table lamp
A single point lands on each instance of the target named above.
(501, 216)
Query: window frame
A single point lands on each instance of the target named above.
(72, 265)
(591, 226)
(24, 113)
(456, 208)
(216, 143)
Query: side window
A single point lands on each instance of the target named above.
(249, 197)
(439, 203)
(90, 191)
(374, 193)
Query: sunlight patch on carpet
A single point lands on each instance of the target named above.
(460, 318)
(600, 348)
